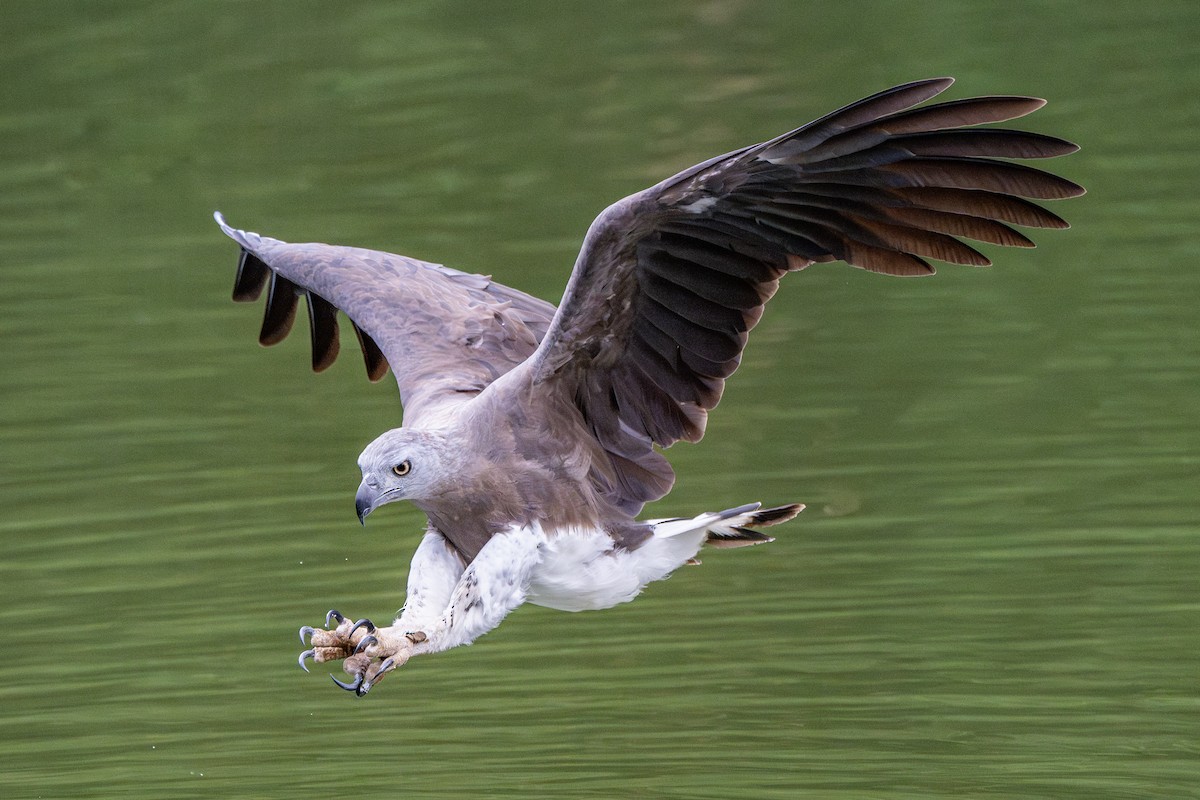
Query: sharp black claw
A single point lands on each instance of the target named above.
(334, 614)
(307, 630)
(307, 654)
(385, 666)
(366, 642)
(362, 623)
(350, 687)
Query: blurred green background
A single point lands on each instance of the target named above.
(992, 594)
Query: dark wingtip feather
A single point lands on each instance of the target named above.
(376, 364)
(1003, 177)
(991, 205)
(1071, 189)
(983, 142)
(881, 104)
(886, 261)
(280, 312)
(323, 327)
(251, 277)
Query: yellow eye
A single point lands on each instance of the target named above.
(403, 468)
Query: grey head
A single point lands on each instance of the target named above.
(406, 464)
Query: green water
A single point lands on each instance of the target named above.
(993, 593)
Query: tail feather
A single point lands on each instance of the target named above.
(722, 538)
(737, 532)
(773, 516)
(732, 527)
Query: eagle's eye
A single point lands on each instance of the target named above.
(403, 468)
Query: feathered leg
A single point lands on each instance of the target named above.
(432, 576)
(439, 614)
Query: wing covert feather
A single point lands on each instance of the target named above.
(446, 334)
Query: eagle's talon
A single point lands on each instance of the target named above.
(349, 687)
(333, 613)
(366, 658)
(362, 623)
(373, 675)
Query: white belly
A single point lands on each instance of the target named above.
(580, 570)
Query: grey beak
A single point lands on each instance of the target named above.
(364, 502)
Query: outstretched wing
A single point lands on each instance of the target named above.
(446, 334)
(670, 281)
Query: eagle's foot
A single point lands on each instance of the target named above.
(367, 652)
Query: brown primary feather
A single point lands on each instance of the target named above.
(869, 109)
(251, 277)
(280, 312)
(971, 173)
(373, 358)
(838, 136)
(323, 327)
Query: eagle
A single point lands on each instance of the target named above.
(533, 435)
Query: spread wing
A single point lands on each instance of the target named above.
(670, 281)
(446, 334)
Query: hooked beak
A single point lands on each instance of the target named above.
(365, 501)
(370, 498)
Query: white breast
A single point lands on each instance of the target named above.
(580, 570)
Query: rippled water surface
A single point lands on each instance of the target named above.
(993, 592)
